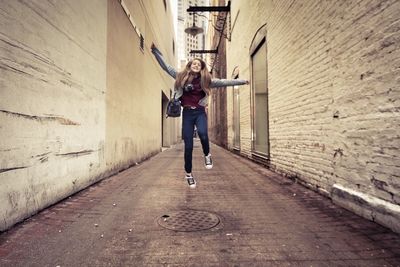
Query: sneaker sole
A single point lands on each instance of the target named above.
(208, 167)
(192, 185)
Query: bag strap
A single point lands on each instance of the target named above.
(170, 94)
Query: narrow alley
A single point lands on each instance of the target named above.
(298, 99)
(240, 214)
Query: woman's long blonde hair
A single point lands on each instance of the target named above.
(186, 76)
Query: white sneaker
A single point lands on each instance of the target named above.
(190, 180)
(208, 161)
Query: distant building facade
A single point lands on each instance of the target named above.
(188, 42)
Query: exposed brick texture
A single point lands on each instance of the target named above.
(333, 83)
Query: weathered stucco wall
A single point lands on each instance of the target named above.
(79, 100)
(334, 97)
(135, 82)
(52, 107)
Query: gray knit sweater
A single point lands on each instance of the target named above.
(179, 91)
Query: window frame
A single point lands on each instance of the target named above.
(260, 38)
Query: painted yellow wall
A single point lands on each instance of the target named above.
(79, 100)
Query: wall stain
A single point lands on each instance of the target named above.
(76, 154)
(11, 169)
(44, 154)
(338, 151)
(43, 157)
(13, 198)
(36, 9)
(58, 119)
(379, 184)
(68, 83)
(22, 47)
(8, 67)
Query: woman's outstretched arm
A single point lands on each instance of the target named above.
(160, 59)
(224, 82)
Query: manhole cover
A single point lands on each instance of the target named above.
(188, 220)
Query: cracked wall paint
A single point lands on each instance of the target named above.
(52, 102)
(69, 110)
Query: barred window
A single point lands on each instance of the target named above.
(141, 42)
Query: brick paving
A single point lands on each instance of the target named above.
(264, 221)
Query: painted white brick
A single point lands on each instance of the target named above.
(333, 83)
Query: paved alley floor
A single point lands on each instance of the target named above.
(240, 214)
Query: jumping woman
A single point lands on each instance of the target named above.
(192, 88)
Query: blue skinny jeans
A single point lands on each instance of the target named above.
(190, 118)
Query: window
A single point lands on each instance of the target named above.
(141, 42)
(236, 117)
(260, 142)
(236, 111)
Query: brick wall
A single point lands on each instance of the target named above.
(333, 81)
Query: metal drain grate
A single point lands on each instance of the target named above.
(189, 220)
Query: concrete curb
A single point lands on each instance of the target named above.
(372, 208)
